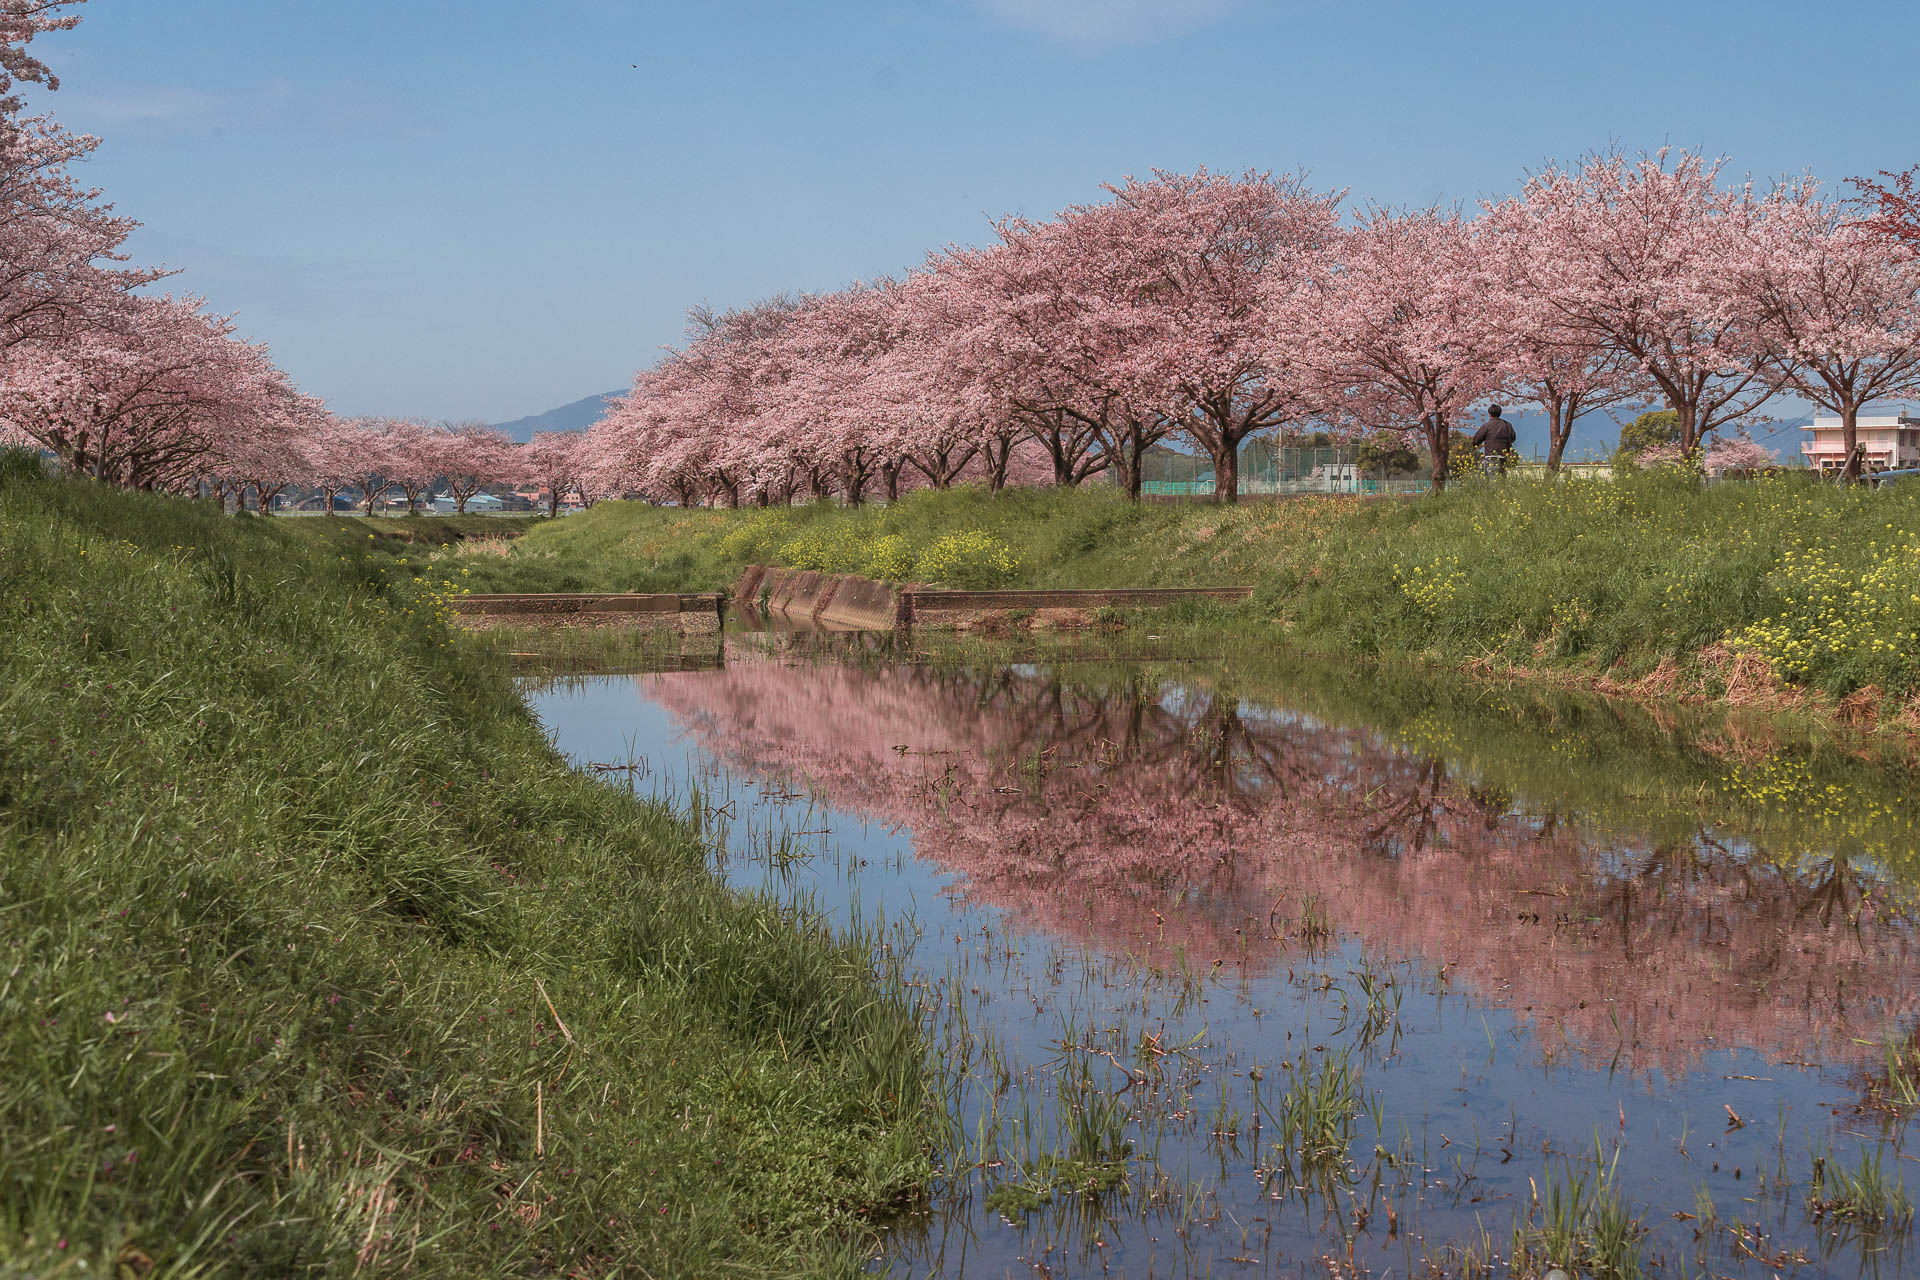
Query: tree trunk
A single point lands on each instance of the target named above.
(1850, 441)
(997, 461)
(1133, 460)
(1226, 471)
(553, 502)
(890, 474)
(1439, 443)
(1559, 431)
(1689, 426)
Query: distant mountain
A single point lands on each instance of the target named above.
(568, 417)
(1597, 435)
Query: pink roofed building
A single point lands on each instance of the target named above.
(1887, 441)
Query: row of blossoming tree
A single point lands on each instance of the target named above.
(1200, 309)
(117, 381)
(152, 391)
(1192, 309)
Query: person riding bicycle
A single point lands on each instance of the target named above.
(1495, 440)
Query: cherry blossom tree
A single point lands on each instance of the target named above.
(20, 22)
(1405, 333)
(556, 461)
(1215, 307)
(413, 460)
(1641, 255)
(832, 410)
(1834, 306)
(144, 402)
(1198, 259)
(277, 446)
(469, 457)
(1738, 452)
(1892, 206)
(131, 389)
(1035, 336)
(60, 246)
(1566, 370)
(368, 449)
(333, 462)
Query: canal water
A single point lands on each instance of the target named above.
(1233, 968)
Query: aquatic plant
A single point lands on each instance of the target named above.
(1864, 1195)
(1580, 1222)
(1315, 1120)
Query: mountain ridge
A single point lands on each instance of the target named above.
(577, 416)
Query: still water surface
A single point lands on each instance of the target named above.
(1236, 975)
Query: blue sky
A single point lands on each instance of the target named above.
(482, 209)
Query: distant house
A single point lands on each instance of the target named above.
(1886, 441)
(446, 504)
(316, 502)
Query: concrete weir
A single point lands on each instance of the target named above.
(699, 613)
(838, 601)
(845, 602)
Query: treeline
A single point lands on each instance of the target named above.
(1201, 309)
(1195, 310)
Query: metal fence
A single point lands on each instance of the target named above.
(1269, 470)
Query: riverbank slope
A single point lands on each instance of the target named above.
(1775, 590)
(320, 960)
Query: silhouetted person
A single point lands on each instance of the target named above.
(1495, 440)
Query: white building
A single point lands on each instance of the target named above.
(1886, 440)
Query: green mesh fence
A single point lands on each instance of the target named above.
(1269, 469)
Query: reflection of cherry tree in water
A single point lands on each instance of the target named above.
(1140, 817)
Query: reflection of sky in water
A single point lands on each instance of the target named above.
(1517, 1048)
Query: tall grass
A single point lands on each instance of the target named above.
(319, 961)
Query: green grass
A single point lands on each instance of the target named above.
(320, 961)
(1817, 585)
(417, 528)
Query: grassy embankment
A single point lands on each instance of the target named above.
(1745, 591)
(320, 961)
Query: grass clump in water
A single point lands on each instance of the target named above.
(1864, 1196)
(1091, 1154)
(1580, 1223)
(321, 961)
